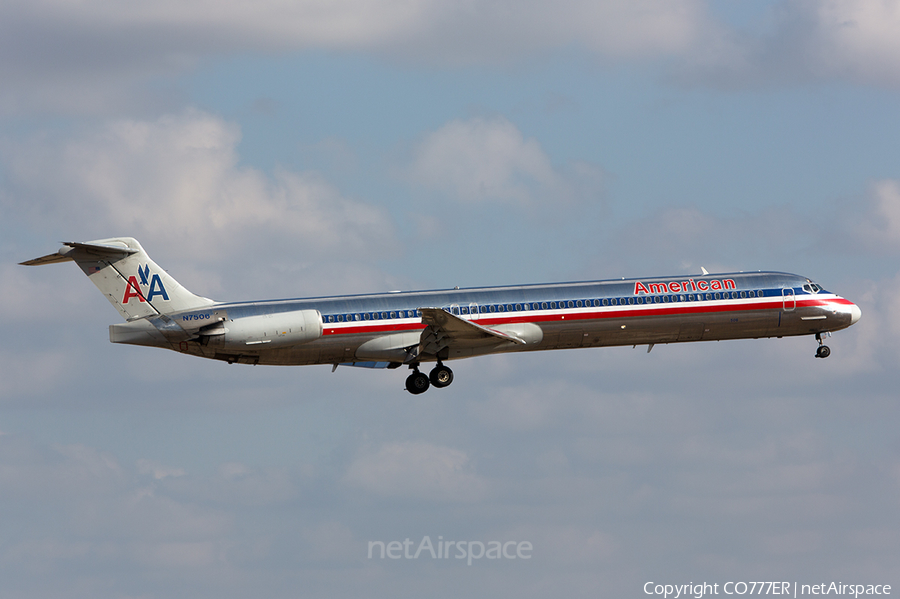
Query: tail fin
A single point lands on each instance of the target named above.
(126, 275)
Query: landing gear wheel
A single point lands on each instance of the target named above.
(823, 351)
(417, 383)
(441, 376)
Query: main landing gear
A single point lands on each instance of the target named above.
(823, 351)
(418, 382)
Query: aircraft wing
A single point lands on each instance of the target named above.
(445, 329)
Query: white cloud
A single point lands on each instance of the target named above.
(178, 179)
(93, 55)
(417, 470)
(158, 471)
(854, 38)
(173, 34)
(802, 41)
(480, 159)
(869, 346)
(879, 228)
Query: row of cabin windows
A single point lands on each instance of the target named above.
(554, 305)
(373, 316)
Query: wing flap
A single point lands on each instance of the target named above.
(454, 328)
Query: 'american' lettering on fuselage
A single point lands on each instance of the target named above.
(683, 286)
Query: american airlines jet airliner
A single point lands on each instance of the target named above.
(390, 330)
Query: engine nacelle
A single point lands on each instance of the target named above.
(266, 331)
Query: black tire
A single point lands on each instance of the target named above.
(441, 376)
(824, 352)
(417, 383)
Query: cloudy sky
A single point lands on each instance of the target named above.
(272, 149)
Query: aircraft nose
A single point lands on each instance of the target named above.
(855, 313)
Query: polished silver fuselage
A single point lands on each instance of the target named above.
(375, 330)
(409, 328)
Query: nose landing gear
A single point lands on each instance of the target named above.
(418, 382)
(823, 350)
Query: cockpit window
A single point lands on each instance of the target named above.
(811, 287)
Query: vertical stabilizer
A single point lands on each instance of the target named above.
(130, 280)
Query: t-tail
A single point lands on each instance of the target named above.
(130, 280)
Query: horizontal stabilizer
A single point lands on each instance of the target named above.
(92, 249)
(48, 259)
(102, 249)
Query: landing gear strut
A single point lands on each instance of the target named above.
(823, 351)
(418, 382)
